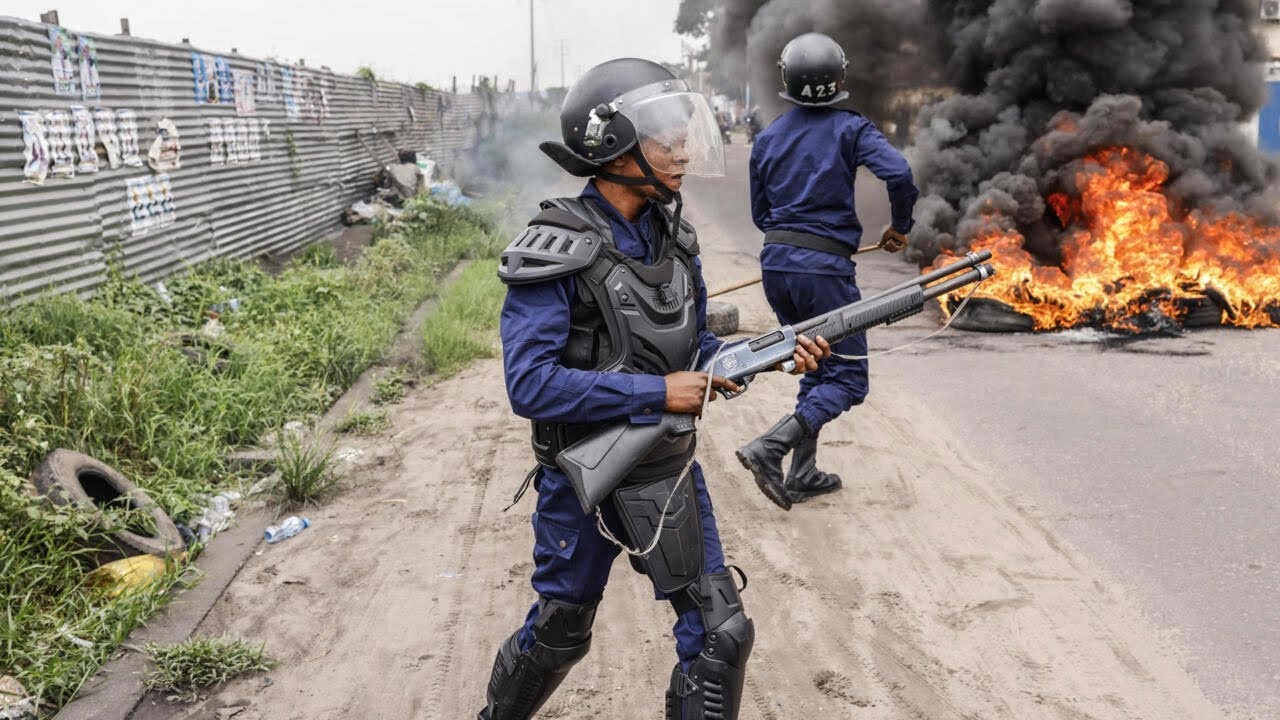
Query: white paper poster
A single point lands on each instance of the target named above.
(127, 130)
(105, 125)
(62, 151)
(86, 139)
(35, 147)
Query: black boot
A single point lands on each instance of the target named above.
(805, 479)
(763, 457)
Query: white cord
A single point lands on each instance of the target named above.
(662, 519)
(917, 341)
(697, 423)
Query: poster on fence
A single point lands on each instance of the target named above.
(242, 137)
(90, 80)
(165, 152)
(317, 99)
(62, 53)
(127, 127)
(254, 148)
(264, 75)
(226, 87)
(151, 203)
(204, 77)
(163, 189)
(35, 149)
(62, 152)
(246, 93)
(86, 140)
(290, 98)
(104, 121)
(217, 151)
(232, 139)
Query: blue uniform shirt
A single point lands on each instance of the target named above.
(803, 168)
(535, 329)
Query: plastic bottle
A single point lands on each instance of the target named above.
(287, 529)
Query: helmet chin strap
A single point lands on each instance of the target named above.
(665, 194)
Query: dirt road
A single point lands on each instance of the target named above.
(927, 589)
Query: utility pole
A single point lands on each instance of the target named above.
(533, 64)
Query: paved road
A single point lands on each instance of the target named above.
(1157, 458)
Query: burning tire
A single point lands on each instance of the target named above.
(722, 318)
(987, 315)
(70, 478)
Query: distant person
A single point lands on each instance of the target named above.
(753, 124)
(803, 168)
(605, 313)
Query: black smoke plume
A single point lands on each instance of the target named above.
(1044, 83)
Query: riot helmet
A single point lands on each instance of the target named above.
(636, 106)
(813, 68)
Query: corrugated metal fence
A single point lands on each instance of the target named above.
(268, 155)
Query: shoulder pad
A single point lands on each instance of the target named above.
(549, 248)
(687, 238)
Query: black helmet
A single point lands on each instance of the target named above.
(615, 104)
(813, 71)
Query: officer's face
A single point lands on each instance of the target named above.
(668, 156)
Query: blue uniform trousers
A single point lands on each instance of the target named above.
(838, 384)
(572, 559)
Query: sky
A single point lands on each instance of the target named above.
(425, 41)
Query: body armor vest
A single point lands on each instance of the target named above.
(625, 316)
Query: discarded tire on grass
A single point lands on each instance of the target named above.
(722, 318)
(67, 477)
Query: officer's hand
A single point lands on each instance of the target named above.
(892, 240)
(685, 390)
(808, 353)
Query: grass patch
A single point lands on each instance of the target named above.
(464, 327)
(390, 388)
(364, 422)
(307, 470)
(110, 378)
(202, 662)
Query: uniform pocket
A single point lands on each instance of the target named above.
(552, 538)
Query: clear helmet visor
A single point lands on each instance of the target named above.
(678, 134)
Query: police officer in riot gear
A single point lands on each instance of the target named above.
(803, 168)
(605, 313)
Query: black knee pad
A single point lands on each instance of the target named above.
(560, 624)
(523, 680)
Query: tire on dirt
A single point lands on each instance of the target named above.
(722, 318)
(66, 477)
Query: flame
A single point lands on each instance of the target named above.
(1129, 248)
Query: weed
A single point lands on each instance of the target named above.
(307, 471)
(201, 662)
(462, 328)
(390, 388)
(320, 255)
(364, 422)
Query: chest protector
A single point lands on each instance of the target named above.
(625, 316)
